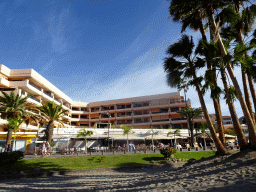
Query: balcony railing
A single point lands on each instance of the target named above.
(23, 92)
(107, 108)
(161, 111)
(33, 85)
(57, 100)
(142, 113)
(34, 98)
(48, 94)
(141, 121)
(178, 119)
(95, 110)
(140, 105)
(160, 120)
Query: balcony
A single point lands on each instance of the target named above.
(34, 98)
(48, 94)
(57, 101)
(27, 86)
(136, 105)
(141, 120)
(161, 120)
(66, 117)
(4, 82)
(65, 107)
(75, 119)
(95, 110)
(107, 108)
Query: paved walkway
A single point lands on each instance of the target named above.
(58, 155)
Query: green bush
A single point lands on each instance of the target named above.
(168, 151)
(10, 158)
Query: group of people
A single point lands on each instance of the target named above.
(131, 147)
(46, 148)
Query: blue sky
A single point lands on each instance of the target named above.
(93, 50)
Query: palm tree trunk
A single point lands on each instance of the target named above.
(247, 115)
(220, 148)
(127, 144)
(244, 76)
(9, 138)
(49, 131)
(218, 113)
(216, 102)
(246, 93)
(252, 91)
(240, 135)
(192, 133)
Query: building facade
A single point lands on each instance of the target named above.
(155, 111)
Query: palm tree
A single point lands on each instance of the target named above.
(210, 7)
(174, 133)
(190, 15)
(202, 127)
(14, 106)
(84, 133)
(182, 63)
(14, 124)
(51, 112)
(213, 52)
(190, 114)
(127, 131)
(152, 133)
(183, 12)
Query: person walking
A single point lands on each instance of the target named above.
(43, 149)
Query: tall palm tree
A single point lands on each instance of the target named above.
(183, 63)
(127, 131)
(192, 16)
(189, 10)
(239, 25)
(174, 133)
(213, 52)
(14, 106)
(210, 7)
(190, 114)
(84, 133)
(51, 112)
(14, 124)
(152, 133)
(202, 127)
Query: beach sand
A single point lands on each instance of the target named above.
(235, 172)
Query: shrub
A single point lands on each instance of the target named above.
(10, 158)
(168, 151)
(52, 144)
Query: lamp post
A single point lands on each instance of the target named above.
(108, 127)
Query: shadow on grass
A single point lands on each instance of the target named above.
(149, 159)
(31, 167)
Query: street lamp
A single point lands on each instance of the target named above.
(108, 127)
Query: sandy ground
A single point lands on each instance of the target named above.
(228, 173)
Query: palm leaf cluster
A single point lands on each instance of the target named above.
(231, 43)
(51, 112)
(16, 110)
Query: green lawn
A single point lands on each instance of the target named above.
(93, 162)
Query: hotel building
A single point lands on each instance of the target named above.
(155, 111)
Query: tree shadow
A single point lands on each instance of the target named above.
(28, 167)
(149, 159)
